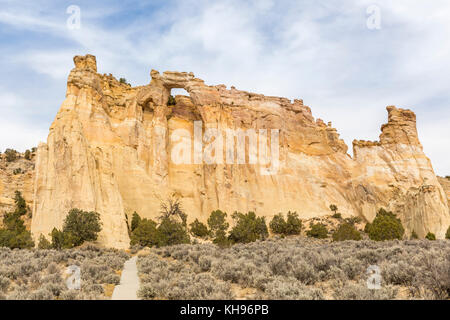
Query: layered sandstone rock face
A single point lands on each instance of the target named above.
(17, 175)
(445, 183)
(115, 149)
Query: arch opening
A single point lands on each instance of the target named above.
(179, 92)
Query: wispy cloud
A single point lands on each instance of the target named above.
(320, 51)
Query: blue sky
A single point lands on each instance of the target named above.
(318, 50)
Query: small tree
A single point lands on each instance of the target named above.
(278, 224)
(82, 226)
(346, 231)
(44, 243)
(13, 222)
(218, 227)
(318, 231)
(333, 208)
(171, 101)
(11, 155)
(386, 226)
(16, 240)
(135, 220)
(293, 224)
(430, 236)
(14, 234)
(123, 80)
(60, 240)
(28, 155)
(248, 228)
(21, 205)
(171, 232)
(414, 235)
(199, 229)
(173, 209)
(145, 234)
(447, 234)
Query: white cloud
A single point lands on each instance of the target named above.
(320, 51)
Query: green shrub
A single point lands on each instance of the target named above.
(291, 226)
(318, 231)
(367, 227)
(248, 228)
(221, 239)
(447, 234)
(199, 229)
(346, 231)
(278, 224)
(430, 236)
(14, 233)
(11, 155)
(21, 205)
(145, 234)
(62, 240)
(17, 171)
(28, 155)
(44, 243)
(123, 80)
(82, 226)
(135, 220)
(171, 232)
(386, 226)
(353, 220)
(333, 208)
(171, 101)
(16, 240)
(414, 235)
(218, 227)
(337, 216)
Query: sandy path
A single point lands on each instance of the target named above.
(129, 282)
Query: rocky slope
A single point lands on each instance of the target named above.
(16, 175)
(111, 149)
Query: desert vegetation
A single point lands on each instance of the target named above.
(13, 234)
(239, 261)
(297, 268)
(35, 274)
(385, 226)
(291, 226)
(79, 226)
(172, 228)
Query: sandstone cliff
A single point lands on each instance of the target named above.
(445, 183)
(16, 175)
(109, 149)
